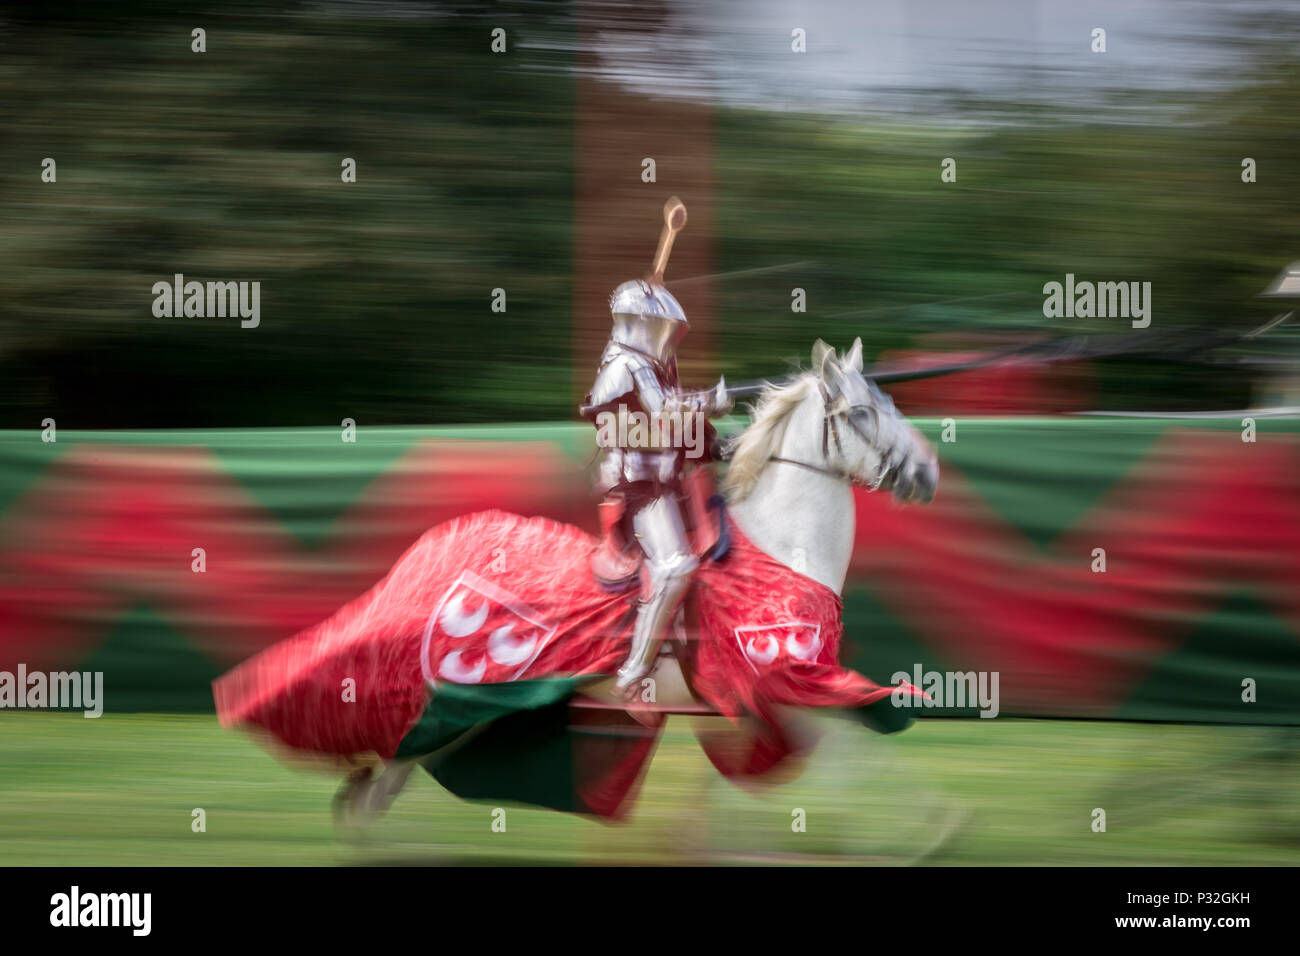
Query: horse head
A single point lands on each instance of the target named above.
(834, 420)
(864, 436)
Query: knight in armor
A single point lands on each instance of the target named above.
(642, 486)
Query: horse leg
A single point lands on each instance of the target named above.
(371, 796)
(364, 798)
(384, 790)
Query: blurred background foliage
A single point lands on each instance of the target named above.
(375, 296)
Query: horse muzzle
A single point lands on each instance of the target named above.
(917, 484)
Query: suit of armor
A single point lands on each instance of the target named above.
(642, 482)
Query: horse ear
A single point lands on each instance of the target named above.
(854, 359)
(822, 356)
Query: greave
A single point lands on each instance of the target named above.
(669, 564)
(653, 615)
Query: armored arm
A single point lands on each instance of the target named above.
(712, 403)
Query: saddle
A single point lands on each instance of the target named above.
(616, 561)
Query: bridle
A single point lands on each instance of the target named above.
(831, 433)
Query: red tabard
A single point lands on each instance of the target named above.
(493, 597)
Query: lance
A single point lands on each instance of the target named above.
(1180, 345)
(1176, 345)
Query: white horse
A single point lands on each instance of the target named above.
(789, 489)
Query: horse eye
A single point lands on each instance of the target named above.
(860, 413)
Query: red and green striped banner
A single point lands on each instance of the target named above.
(163, 558)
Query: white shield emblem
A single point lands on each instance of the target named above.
(481, 633)
(769, 645)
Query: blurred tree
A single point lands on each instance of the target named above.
(376, 294)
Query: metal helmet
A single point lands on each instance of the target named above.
(647, 318)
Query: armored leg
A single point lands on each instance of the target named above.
(662, 536)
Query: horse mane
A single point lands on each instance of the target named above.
(750, 450)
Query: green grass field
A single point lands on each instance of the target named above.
(120, 790)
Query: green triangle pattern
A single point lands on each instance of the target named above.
(149, 667)
(23, 459)
(1042, 475)
(308, 477)
(878, 645)
(1202, 678)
